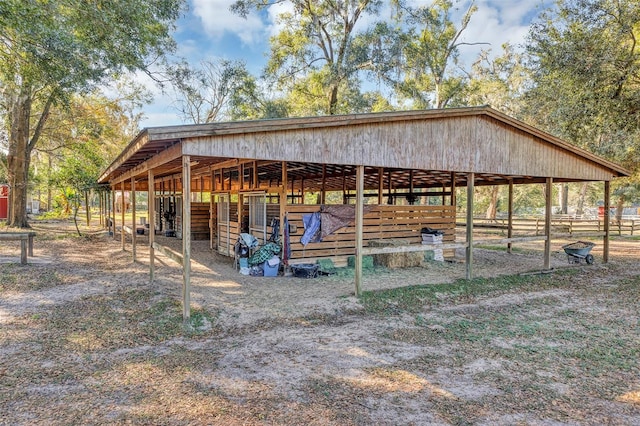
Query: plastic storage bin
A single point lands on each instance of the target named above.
(271, 267)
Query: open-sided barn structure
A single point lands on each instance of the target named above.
(399, 171)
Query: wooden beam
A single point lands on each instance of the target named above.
(469, 250)
(359, 226)
(492, 241)
(157, 160)
(411, 248)
(547, 223)
(186, 237)
(171, 254)
(607, 221)
(151, 205)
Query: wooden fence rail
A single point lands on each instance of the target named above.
(567, 226)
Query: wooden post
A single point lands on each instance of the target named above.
(151, 208)
(283, 197)
(122, 207)
(113, 211)
(547, 224)
(87, 208)
(254, 177)
(324, 183)
(359, 223)
(134, 232)
(453, 188)
(469, 248)
(510, 215)
(186, 237)
(211, 206)
(607, 219)
(380, 185)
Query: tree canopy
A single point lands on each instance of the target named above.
(50, 49)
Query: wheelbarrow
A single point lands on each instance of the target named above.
(579, 251)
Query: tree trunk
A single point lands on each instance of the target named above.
(21, 143)
(492, 210)
(333, 99)
(49, 191)
(18, 158)
(563, 198)
(581, 197)
(619, 208)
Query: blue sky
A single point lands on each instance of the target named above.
(209, 30)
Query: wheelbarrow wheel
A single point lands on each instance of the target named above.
(589, 259)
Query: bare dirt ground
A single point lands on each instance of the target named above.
(86, 339)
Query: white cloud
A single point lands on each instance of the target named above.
(217, 20)
(495, 22)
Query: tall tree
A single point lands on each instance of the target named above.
(205, 94)
(50, 49)
(500, 82)
(585, 59)
(422, 53)
(317, 43)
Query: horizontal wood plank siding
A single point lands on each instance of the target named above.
(479, 144)
(199, 221)
(400, 223)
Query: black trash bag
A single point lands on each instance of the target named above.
(429, 231)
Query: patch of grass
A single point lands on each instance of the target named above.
(415, 298)
(127, 319)
(24, 278)
(502, 248)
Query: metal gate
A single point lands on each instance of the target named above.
(224, 224)
(257, 215)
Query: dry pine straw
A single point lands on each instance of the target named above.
(557, 348)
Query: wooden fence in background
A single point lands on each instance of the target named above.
(559, 225)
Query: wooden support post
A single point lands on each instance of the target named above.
(324, 183)
(390, 188)
(607, 220)
(453, 188)
(547, 223)
(411, 182)
(122, 208)
(152, 223)
(283, 197)
(254, 176)
(211, 206)
(134, 231)
(380, 185)
(113, 211)
(510, 215)
(359, 226)
(344, 186)
(469, 249)
(186, 237)
(87, 208)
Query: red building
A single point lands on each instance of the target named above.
(4, 202)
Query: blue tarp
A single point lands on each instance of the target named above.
(311, 223)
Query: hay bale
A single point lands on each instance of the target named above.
(367, 262)
(396, 260)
